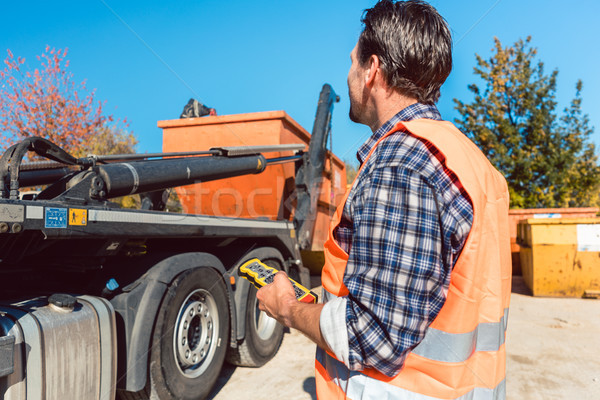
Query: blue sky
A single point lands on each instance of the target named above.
(147, 58)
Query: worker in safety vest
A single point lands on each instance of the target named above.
(417, 264)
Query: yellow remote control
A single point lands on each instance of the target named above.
(260, 274)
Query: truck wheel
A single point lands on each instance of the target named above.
(190, 337)
(263, 335)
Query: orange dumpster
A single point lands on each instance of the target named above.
(266, 195)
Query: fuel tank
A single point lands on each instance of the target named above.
(57, 347)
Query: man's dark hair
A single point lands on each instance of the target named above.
(413, 44)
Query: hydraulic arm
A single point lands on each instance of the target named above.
(88, 180)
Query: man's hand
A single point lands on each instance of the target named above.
(278, 299)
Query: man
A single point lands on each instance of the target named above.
(417, 264)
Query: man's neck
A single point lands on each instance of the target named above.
(387, 106)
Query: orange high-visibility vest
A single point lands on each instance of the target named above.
(462, 355)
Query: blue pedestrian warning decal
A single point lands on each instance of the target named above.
(56, 217)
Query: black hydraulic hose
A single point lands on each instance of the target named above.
(13, 157)
(4, 170)
(15, 162)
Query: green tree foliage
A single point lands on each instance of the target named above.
(547, 159)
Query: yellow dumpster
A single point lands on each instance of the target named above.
(516, 215)
(560, 257)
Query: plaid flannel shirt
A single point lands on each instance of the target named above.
(403, 226)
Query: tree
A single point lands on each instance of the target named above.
(547, 159)
(46, 102)
(107, 140)
(351, 170)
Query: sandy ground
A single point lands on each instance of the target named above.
(553, 347)
(553, 352)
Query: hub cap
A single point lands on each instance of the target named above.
(196, 333)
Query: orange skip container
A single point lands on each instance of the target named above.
(270, 194)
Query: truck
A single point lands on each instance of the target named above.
(103, 302)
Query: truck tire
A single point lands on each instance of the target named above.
(263, 334)
(190, 336)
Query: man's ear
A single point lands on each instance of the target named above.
(372, 70)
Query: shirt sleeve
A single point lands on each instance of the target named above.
(332, 323)
(395, 273)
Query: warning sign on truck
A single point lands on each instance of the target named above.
(77, 217)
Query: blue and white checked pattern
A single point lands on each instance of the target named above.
(404, 224)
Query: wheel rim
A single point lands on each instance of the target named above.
(196, 333)
(264, 326)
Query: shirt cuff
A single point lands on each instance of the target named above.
(333, 328)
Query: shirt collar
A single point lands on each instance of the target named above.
(414, 111)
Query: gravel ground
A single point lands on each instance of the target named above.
(552, 353)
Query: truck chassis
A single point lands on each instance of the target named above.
(98, 301)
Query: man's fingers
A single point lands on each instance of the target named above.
(281, 275)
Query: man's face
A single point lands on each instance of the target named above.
(355, 88)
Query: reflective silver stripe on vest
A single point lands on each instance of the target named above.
(359, 386)
(458, 347)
